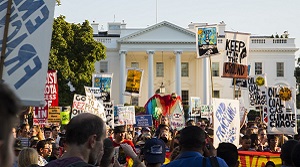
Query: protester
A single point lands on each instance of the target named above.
(9, 109)
(84, 141)
(295, 155)
(254, 142)
(55, 130)
(35, 131)
(246, 144)
(119, 137)
(192, 143)
(229, 153)
(286, 152)
(270, 164)
(273, 144)
(262, 139)
(44, 148)
(28, 156)
(18, 147)
(47, 132)
(190, 123)
(107, 159)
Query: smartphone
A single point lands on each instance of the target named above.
(122, 156)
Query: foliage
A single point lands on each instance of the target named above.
(297, 75)
(73, 54)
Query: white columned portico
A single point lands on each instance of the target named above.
(150, 73)
(122, 74)
(178, 72)
(205, 81)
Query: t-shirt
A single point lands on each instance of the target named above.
(63, 162)
(129, 142)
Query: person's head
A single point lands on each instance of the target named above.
(87, 131)
(107, 159)
(164, 120)
(154, 151)
(161, 128)
(255, 128)
(202, 124)
(246, 142)
(254, 140)
(146, 130)
(229, 153)
(10, 108)
(55, 131)
(286, 152)
(25, 130)
(270, 164)
(44, 148)
(272, 141)
(119, 133)
(27, 156)
(14, 132)
(192, 138)
(47, 132)
(296, 154)
(262, 133)
(36, 131)
(190, 123)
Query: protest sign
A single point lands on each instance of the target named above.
(206, 40)
(27, 47)
(95, 91)
(93, 105)
(206, 111)
(143, 121)
(65, 115)
(236, 54)
(103, 81)
(126, 115)
(54, 115)
(195, 103)
(226, 121)
(109, 113)
(257, 90)
(133, 81)
(177, 120)
(282, 118)
(78, 105)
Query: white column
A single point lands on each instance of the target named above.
(205, 81)
(150, 73)
(178, 72)
(122, 54)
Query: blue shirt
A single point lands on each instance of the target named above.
(191, 159)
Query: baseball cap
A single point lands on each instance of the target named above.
(154, 151)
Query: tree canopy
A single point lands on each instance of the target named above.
(73, 54)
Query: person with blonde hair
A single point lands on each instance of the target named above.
(27, 157)
(36, 131)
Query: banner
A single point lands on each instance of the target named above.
(226, 121)
(143, 121)
(195, 103)
(27, 47)
(257, 90)
(177, 120)
(133, 81)
(236, 54)
(206, 40)
(126, 115)
(282, 118)
(54, 115)
(109, 113)
(254, 159)
(78, 105)
(51, 98)
(103, 81)
(65, 115)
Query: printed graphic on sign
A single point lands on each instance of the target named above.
(103, 81)
(282, 118)
(27, 47)
(65, 115)
(133, 81)
(206, 41)
(143, 121)
(177, 120)
(126, 115)
(195, 103)
(226, 121)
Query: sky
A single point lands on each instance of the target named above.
(258, 17)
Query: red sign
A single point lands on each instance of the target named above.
(51, 98)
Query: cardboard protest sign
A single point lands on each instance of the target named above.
(195, 103)
(206, 111)
(65, 115)
(257, 90)
(27, 47)
(282, 118)
(206, 40)
(236, 54)
(54, 115)
(109, 113)
(94, 91)
(143, 121)
(226, 121)
(177, 120)
(78, 105)
(133, 81)
(126, 115)
(103, 81)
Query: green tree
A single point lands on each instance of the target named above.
(73, 54)
(297, 75)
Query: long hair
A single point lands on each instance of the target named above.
(28, 156)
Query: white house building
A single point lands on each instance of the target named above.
(167, 54)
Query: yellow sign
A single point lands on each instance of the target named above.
(54, 114)
(133, 81)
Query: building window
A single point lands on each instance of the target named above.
(185, 97)
(103, 66)
(215, 69)
(159, 69)
(258, 68)
(135, 100)
(185, 69)
(280, 69)
(216, 94)
(135, 64)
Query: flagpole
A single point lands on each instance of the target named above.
(5, 34)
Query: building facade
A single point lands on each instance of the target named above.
(167, 54)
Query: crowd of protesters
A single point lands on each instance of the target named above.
(88, 141)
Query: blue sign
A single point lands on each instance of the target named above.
(143, 121)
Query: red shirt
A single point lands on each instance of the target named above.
(129, 142)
